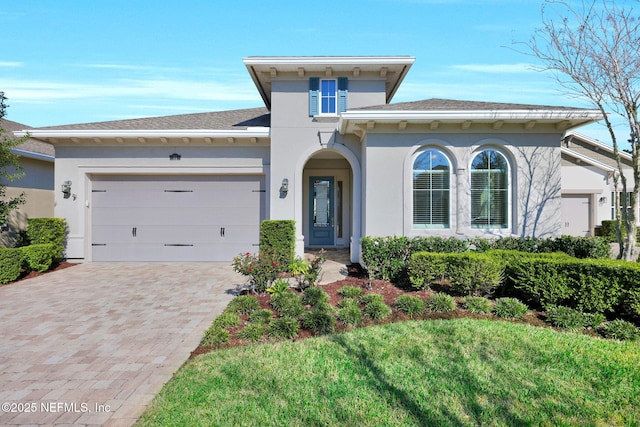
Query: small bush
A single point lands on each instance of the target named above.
(409, 305)
(252, 332)
(284, 328)
(314, 296)
(441, 302)
(509, 308)
(243, 304)
(278, 238)
(477, 305)
(348, 302)
(566, 317)
(287, 304)
(320, 321)
(371, 299)
(10, 264)
(351, 292)
(48, 230)
(280, 286)
(619, 330)
(261, 269)
(39, 257)
(227, 319)
(261, 317)
(377, 310)
(215, 336)
(350, 314)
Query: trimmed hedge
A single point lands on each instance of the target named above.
(386, 258)
(39, 257)
(48, 230)
(10, 264)
(466, 273)
(278, 238)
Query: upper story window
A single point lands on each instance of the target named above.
(327, 96)
(489, 190)
(431, 191)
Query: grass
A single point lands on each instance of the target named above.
(459, 372)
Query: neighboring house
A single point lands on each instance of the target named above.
(329, 151)
(37, 161)
(588, 187)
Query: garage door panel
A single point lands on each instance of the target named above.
(210, 218)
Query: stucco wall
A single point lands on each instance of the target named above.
(534, 195)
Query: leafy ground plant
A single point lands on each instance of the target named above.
(243, 304)
(480, 372)
(252, 332)
(441, 302)
(410, 305)
(620, 330)
(478, 305)
(351, 292)
(283, 328)
(509, 308)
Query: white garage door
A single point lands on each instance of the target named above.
(175, 218)
(576, 210)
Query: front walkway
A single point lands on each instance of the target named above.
(93, 344)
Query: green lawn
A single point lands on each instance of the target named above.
(425, 373)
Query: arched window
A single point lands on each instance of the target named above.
(489, 190)
(431, 172)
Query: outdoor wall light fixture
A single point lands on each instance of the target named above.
(66, 188)
(284, 188)
(175, 156)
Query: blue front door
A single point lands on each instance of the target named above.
(321, 228)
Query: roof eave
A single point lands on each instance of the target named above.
(33, 155)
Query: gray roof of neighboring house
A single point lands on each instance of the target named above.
(232, 119)
(437, 104)
(30, 144)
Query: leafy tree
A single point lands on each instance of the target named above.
(10, 168)
(592, 49)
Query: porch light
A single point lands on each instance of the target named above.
(175, 156)
(284, 188)
(66, 188)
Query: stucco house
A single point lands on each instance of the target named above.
(37, 161)
(328, 150)
(588, 185)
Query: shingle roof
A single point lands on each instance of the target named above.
(30, 144)
(437, 104)
(221, 120)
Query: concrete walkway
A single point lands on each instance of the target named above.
(92, 344)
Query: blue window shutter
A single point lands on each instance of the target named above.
(314, 87)
(343, 84)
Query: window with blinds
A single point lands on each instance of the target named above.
(431, 173)
(489, 190)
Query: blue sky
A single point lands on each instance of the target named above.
(70, 61)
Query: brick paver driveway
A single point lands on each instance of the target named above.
(92, 344)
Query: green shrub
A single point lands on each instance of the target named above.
(227, 320)
(477, 305)
(283, 328)
(377, 310)
(252, 332)
(566, 317)
(581, 247)
(320, 321)
(441, 302)
(467, 273)
(351, 292)
(260, 268)
(287, 304)
(350, 314)
(215, 336)
(39, 257)
(509, 308)
(314, 296)
(619, 330)
(278, 239)
(10, 264)
(243, 304)
(371, 299)
(262, 316)
(48, 230)
(278, 287)
(409, 305)
(541, 282)
(346, 302)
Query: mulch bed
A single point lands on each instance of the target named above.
(388, 290)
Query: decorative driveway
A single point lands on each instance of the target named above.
(92, 344)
